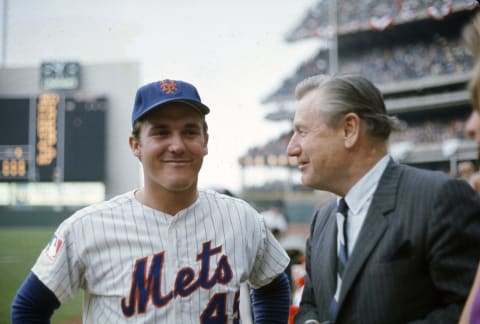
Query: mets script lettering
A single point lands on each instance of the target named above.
(147, 287)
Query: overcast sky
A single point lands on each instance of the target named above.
(233, 51)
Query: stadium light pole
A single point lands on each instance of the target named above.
(333, 41)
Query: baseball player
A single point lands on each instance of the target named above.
(167, 252)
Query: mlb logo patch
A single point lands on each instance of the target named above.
(53, 247)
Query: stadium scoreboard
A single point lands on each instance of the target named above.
(52, 138)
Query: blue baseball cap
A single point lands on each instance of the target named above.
(155, 94)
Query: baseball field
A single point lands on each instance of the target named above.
(19, 248)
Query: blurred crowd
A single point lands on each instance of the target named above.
(390, 62)
(429, 131)
(356, 15)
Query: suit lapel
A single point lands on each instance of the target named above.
(331, 255)
(325, 252)
(374, 226)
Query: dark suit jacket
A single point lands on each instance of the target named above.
(414, 259)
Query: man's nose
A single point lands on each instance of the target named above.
(177, 145)
(293, 148)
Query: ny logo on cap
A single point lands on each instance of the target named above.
(168, 86)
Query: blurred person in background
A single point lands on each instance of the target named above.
(404, 244)
(471, 38)
(467, 172)
(167, 252)
(275, 219)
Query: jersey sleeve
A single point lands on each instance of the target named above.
(270, 260)
(58, 266)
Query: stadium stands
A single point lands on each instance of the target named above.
(385, 64)
(354, 16)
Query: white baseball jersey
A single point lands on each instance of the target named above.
(137, 264)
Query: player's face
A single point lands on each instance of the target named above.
(317, 147)
(171, 147)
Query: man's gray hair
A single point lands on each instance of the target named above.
(350, 93)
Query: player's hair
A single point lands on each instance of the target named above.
(350, 93)
(139, 122)
(471, 39)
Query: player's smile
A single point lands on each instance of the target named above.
(181, 162)
(173, 165)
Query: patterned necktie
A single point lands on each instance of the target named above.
(342, 256)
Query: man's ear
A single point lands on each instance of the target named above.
(351, 129)
(135, 147)
(205, 148)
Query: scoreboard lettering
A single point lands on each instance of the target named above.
(14, 168)
(46, 129)
(52, 138)
(47, 123)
